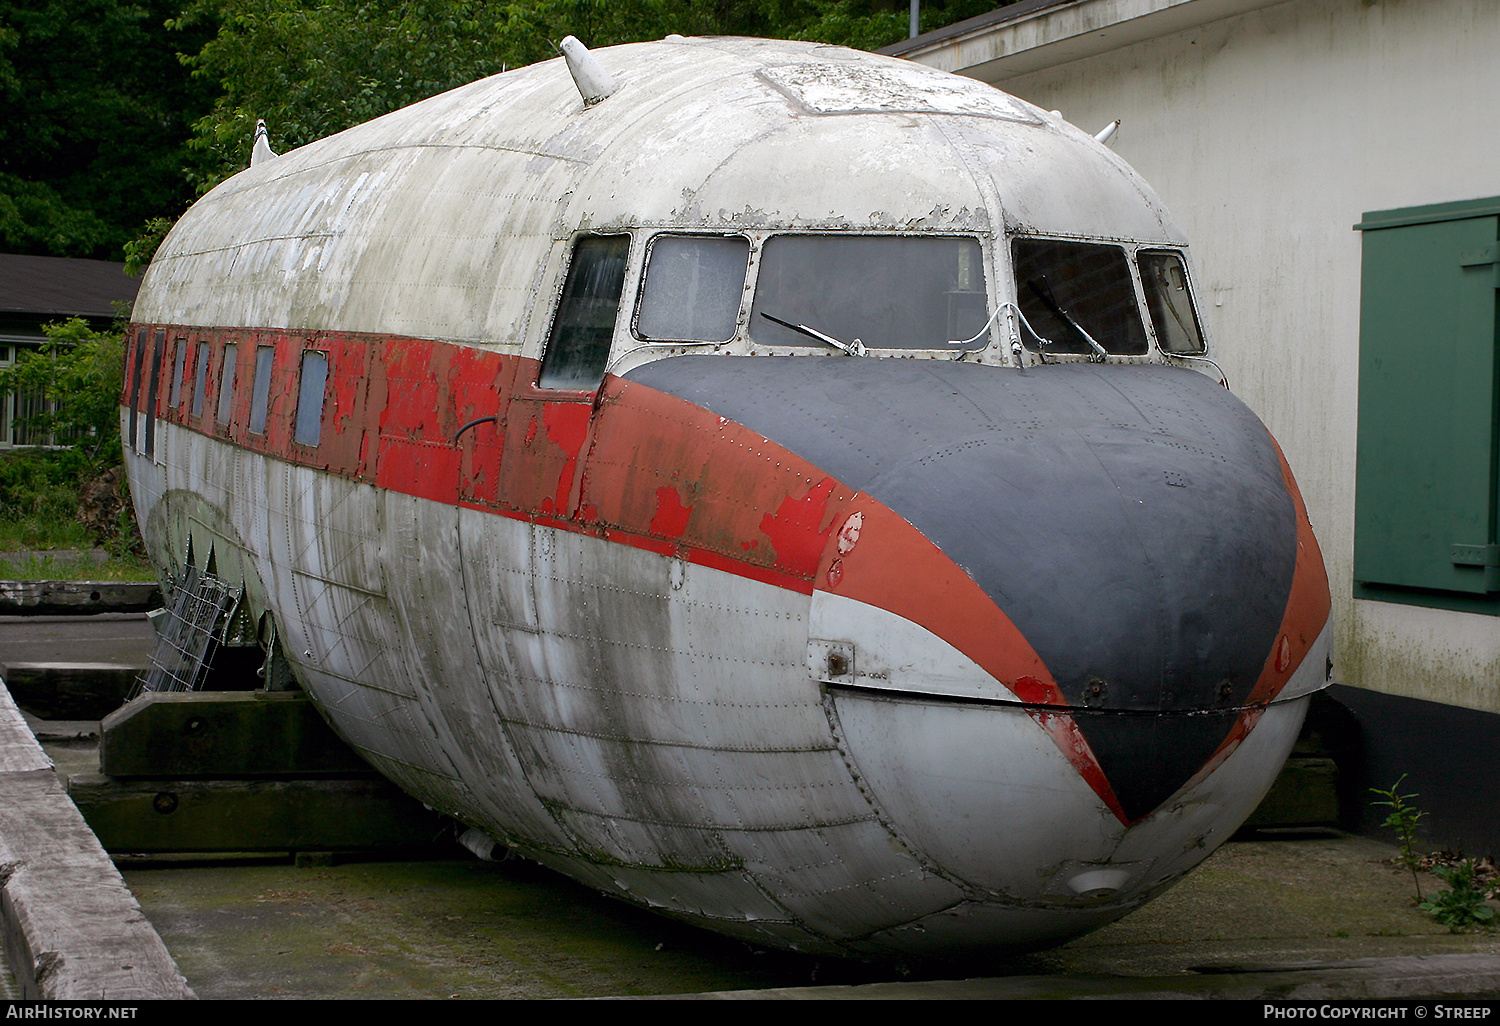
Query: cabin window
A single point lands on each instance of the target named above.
(1070, 292)
(887, 291)
(226, 385)
(578, 347)
(200, 379)
(692, 288)
(179, 365)
(1171, 303)
(135, 389)
(311, 382)
(260, 390)
(1426, 505)
(158, 348)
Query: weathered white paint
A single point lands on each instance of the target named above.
(1268, 133)
(452, 218)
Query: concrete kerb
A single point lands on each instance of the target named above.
(53, 598)
(72, 930)
(1461, 977)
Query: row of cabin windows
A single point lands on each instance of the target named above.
(311, 388)
(893, 292)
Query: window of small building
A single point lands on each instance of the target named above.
(260, 389)
(1070, 292)
(887, 291)
(578, 346)
(312, 382)
(692, 288)
(226, 385)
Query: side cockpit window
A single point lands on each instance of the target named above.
(578, 346)
(1076, 296)
(886, 291)
(1171, 303)
(692, 288)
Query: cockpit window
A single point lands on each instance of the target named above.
(887, 291)
(578, 348)
(1170, 303)
(1071, 292)
(692, 288)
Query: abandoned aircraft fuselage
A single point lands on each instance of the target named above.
(541, 432)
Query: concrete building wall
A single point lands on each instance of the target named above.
(1269, 128)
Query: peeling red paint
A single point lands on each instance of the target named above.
(797, 529)
(393, 406)
(1037, 692)
(671, 515)
(567, 426)
(849, 533)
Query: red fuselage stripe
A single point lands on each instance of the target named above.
(625, 463)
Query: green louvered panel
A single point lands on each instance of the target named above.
(1426, 498)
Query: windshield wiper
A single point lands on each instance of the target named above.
(1044, 293)
(857, 349)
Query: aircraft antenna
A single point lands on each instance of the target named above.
(593, 82)
(261, 151)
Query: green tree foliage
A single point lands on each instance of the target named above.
(79, 371)
(116, 112)
(95, 114)
(312, 69)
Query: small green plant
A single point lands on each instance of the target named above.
(1462, 904)
(1403, 818)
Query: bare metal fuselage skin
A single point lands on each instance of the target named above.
(864, 656)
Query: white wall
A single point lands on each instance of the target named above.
(1269, 134)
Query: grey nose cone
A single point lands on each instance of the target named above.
(1131, 521)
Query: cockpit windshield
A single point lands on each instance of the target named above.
(1075, 295)
(1170, 303)
(886, 291)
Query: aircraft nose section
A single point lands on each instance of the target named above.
(1134, 523)
(1138, 531)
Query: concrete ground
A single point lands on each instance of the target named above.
(461, 928)
(124, 638)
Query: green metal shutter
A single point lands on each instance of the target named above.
(1427, 495)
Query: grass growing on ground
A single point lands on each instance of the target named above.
(45, 497)
(58, 567)
(39, 499)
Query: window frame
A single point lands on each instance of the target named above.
(1192, 295)
(741, 310)
(759, 239)
(630, 277)
(297, 414)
